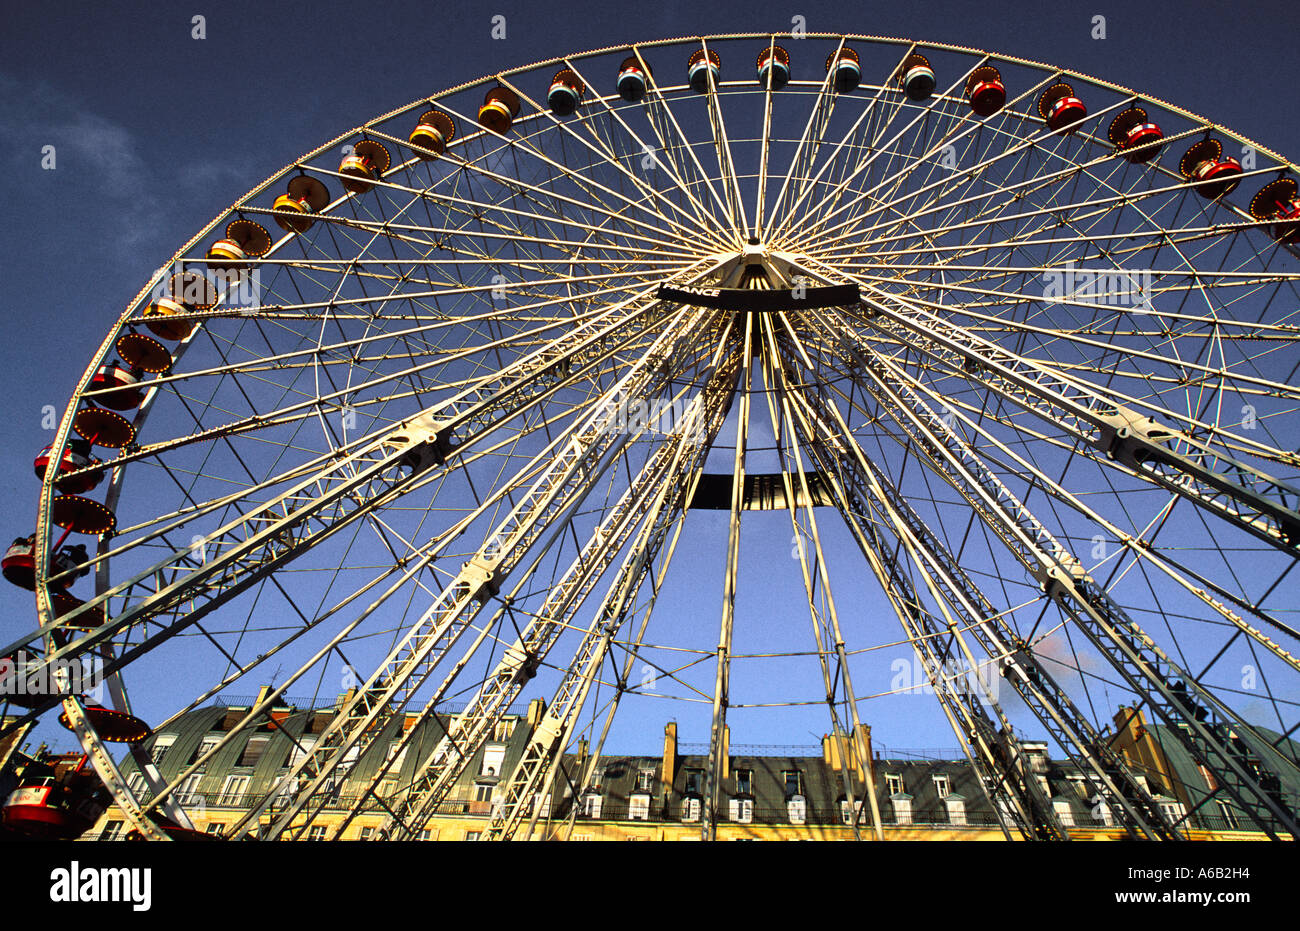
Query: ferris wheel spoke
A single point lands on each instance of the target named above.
(593, 189)
(698, 215)
(1012, 192)
(686, 224)
(956, 178)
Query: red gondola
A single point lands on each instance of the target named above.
(1211, 173)
(1133, 135)
(1279, 201)
(121, 387)
(985, 90)
(47, 806)
(1060, 109)
(76, 457)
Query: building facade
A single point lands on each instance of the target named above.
(766, 794)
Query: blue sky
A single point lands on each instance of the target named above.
(156, 132)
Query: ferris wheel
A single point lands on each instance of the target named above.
(426, 415)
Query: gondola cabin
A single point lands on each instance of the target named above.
(632, 80)
(916, 77)
(244, 239)
(296, 210)
(565, 93)
(433, 131)
(703, 69)
(76, 457)
(845, 71)
(773, 68)
(1279, 202)
(1060, 109)
(1135, 136)
(1208, 170)
(499, 111)
(985, 91)
(364, 166)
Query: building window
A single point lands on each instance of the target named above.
(205, 745)
(396, 755)
(253, 751)
(216, 827)
(232, 792)
(111, 830)
(690, 809)
(386, 787)
(744, 782)
(793, 780)
(638, 808)
(160, 747)
(598, 778)
(694, 781)
(317, 832)
(483, 791)
(591, 803)
(542, 804)
(645, 780)
(366, 833)
(1173, 810)
(188, 793)
(1210, 782)
(797, 809)
(494, 756)
(427, 834)
(503, 730)
(1228, 815)
(893, 784)
(742, 810)
(847, 813)
(473, 835)
(135, 782)
(581, 837)
(941, 786)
